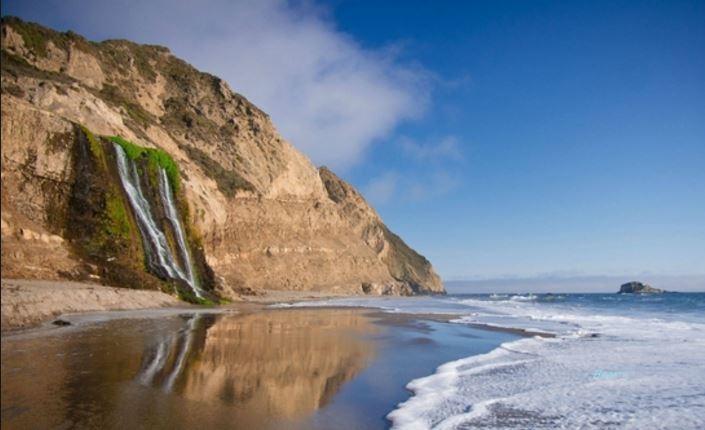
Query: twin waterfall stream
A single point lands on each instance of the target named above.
(160, 257)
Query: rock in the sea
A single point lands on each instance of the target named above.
(638, 288)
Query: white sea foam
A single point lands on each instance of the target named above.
(549, 382)
(520, 298)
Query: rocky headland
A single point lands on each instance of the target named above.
(234, 209)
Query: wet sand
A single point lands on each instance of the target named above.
(29, 303)
(242, 367)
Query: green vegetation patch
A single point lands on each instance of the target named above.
(181, 115)
(120, 53)
(34, 36)
(155, 157)
(228, 181)
(98, 221)
(112, 94)
(95, 146)
(187, 295)
(118, 222)
(17, 66)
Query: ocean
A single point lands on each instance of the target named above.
(603, 361)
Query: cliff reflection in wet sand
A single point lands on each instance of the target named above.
(196, 371)
(281, 364)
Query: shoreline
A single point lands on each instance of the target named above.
(31, 305)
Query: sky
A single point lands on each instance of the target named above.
(501, 139)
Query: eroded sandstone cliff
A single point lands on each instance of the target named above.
(265, 217)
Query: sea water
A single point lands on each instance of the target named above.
(613, 361)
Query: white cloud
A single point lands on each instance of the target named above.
(381, 189)
(431, 171)
(447, 147)
(410, 188)
(328, 95)
(433, 184)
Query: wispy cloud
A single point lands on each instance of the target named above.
(327, 94)
(430, 170)
(382, 188)
(447, 147)
(421, 186)
(435, 184)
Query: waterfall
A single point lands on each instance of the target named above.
(156, 245)
(173, 215)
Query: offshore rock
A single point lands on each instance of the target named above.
(638, 288)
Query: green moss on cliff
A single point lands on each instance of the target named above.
(98, 223)
(118, 222)
(155, 157)
(149, 160)
(95, 147)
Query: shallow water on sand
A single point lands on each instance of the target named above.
(297, 368)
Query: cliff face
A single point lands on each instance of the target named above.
(264, 216)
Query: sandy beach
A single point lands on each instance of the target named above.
(29, 303)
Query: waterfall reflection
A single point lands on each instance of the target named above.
(247, 371)
(164, 365)
(281, 364)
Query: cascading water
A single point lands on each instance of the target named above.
(173, 215)
(155, 243)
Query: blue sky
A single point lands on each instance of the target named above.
(498, 138)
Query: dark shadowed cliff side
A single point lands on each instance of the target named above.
(257, 213)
